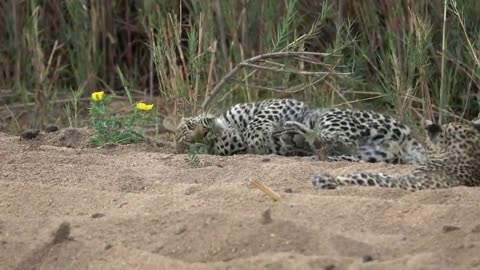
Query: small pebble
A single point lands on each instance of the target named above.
(62, 234)
(449, 228)
(180, 230)
(191, 190)
(51, 128)
(288, 190)
(330, 267)
(367, 258)
(109, 145)
(30, 133)
(266, 217)
(158, 249)
(97, 215)
(265, 159)
(476, 229)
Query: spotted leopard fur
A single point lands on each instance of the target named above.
(244, 128)
(367, 136)
(454, 161)
(288, 127)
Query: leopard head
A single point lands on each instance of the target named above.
(453, 135)
(192, 130)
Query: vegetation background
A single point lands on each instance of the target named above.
(414, 58)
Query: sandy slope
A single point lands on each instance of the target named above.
(65, 206)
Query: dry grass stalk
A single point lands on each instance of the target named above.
(442, 68)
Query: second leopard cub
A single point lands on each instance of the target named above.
(453, 161)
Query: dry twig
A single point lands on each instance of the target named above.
(275, 196)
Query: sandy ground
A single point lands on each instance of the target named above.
(64, 205)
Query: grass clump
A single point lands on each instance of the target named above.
(416, 59)
(117, 129)
(192, 157)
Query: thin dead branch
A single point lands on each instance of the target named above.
(293, 71)
(267, 58)
(290, 90)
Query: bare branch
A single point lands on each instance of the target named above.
(293, 71)
(251, 63)
(290, 90)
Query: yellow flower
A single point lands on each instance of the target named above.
(144, 107)
(98, 96)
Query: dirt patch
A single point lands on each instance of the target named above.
(66, 137)
(67, 205)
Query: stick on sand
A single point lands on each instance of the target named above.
(275, 196)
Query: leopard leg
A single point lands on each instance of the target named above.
(343, 158)
(412, 182)
(226, 142)
(293, 139)
(257, 136)
(295, 136)
(374, 153)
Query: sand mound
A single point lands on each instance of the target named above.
(67, 205)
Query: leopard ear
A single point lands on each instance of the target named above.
(207, 120)
(476, 123)
(433, 130)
